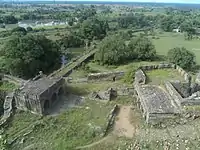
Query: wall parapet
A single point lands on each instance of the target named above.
(180, 70)
(105, 76)
(7, 108)
(174, 94)
(140, 77)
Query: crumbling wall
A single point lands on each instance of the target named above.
(192, 100)
(125, 91)
(180, 70)
(105, 76)
(154, 118)
(28, 103)
(159, 66)
(174, 94)
(111, 119)
(7, 108)
(183, 73)
(198, 78)
(183, 89)
(140, 77)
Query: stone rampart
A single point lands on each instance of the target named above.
(7, 108)
(105, 76)
(125, 91)
(180, 70)
(111, 119)
(140, 77)
(158, 66)
(174, 94)
(183, 73)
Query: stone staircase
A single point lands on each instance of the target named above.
(7, 108)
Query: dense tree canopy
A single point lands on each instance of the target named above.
(111, 51)
(94, 29)
(141, 48)
(26, 55)
(182, 57)
(71, 40)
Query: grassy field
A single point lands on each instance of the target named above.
(159, 76)
(6, 86)
(75, 127)
(167, 41)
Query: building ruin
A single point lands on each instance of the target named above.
(39, 94)
(158, 103)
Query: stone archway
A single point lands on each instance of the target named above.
(46, 106)
(60, 91)
(53, 98)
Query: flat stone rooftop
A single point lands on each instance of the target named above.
(156, 100)
(38, 86)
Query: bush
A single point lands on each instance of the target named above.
(129, 75)
(182, 57)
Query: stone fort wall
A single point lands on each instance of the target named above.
(105, 76)
(180, 70)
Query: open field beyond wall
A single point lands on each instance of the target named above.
(167, 41)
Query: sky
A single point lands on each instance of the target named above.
(161, 1)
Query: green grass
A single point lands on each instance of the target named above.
(168, 41)
(160, 75)
(65, 131)
(7, 86)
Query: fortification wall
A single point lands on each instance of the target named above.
(174, 94)
(180, 70)
(140, 77)
(156, 118)
(125, 91)
(7, 108)
(105, 76)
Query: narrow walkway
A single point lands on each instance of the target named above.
(123, 126)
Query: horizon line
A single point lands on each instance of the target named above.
(101, 1)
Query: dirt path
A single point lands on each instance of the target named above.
(123, 126)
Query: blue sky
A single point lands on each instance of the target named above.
(166, 1)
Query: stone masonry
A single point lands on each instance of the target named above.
(157, 102)
(38, 95)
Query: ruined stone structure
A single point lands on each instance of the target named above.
(105, 76)
(157, 102)
(38, 95)
(109, 94)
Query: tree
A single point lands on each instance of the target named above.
(71, 40)
(10, 19)
(112, 50)
(141, 48)
(19, 30)
(94, 29)
(182, 57)
(27, 55)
